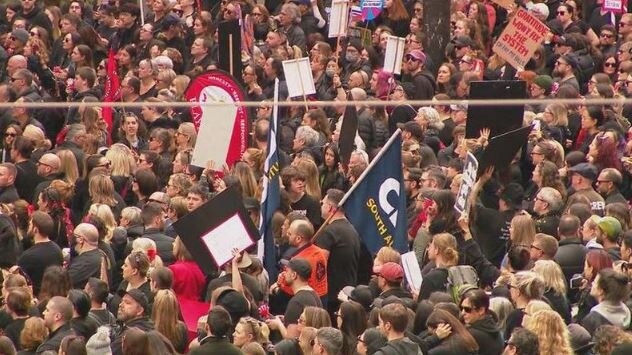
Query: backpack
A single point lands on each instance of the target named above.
(461, 278)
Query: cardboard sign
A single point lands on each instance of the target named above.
(520, 39)
(299, 77)
(214, 229)
(412, 270)
(371, 9)
(507, 4)
(339, 18)
(469, 179)
(362, 34)
(394, 55)
(615, 6)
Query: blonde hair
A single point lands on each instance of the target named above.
(552, 333)
(37, 136)
(145, 244)
(122, 159)
(180, 84)
(259, 330)
(523, 230)
(445, 243)
(165, 312)
(559, 113)
(246, 177)
(104, 213)
(68, 164)
(101, 190)
(180, 251)
(535, 306)
(552, 275)
(189, 130)
(529, 284)
(388, 254)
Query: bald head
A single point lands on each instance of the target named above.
(88, 232)
(302, 228)
(48, 164)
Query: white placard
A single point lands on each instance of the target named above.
(394, 54)
(216, 130)
(338, 18)
(221, 241)
(412, 270)
(299, 77)
(469, 179)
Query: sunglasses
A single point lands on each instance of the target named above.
(10, 135)
(610, 64)
(467, 309)
(606, 35)
(562, 13)
(34, 34)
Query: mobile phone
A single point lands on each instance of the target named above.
(576, 281)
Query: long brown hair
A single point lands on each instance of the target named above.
(165, 315)
(398, 11)
(439, 316)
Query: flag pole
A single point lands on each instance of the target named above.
(358, 182)
(142, 12)
(371, 165)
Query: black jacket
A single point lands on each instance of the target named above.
(213, 345)
(143, 323)
(487, 335)
(9, 245)
(570, 256)
(403, 346)
(54, 339)
(424, 86)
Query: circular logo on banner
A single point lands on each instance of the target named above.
(219, 86)
(371, 9)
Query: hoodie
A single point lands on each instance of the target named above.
(487, 335)
(607, 313)
(402, 346)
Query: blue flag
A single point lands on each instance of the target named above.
(271, 196)
(376, 203)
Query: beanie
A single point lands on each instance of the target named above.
(545, 82)
(99, 343)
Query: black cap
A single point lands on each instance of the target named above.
(171, 20)
(140, 298)
(586, 170)
(361, 294)
(234, 302)
(463, 41)
(301, 267)
(512, 194)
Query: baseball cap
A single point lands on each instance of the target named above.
(171, 20)
(463, 41)
(140, 298)
(360, 294)
(20, 34)
(586, 170)
(418, 55)
(301, 267)
(391, 271)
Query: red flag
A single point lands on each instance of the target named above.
(112, 92)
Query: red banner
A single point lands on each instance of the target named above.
(219, 86)
(112, 86)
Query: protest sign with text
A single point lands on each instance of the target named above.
(520, 39)
(469, 179)
(614, 6)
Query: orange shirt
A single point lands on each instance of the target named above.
(318, 261)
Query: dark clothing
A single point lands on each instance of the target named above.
(486, 333)
(37, 258)
(298, 302)
(26, 179)
(13, 331)
(615, 196)
(37, 17)
(560, 304)
(343, 243)
(213, 345)
(143, 323)
(547, 224)
(163, 243)
(248, 281)
(401, 114)
(402, 346)
(102, 317)
(424, 86)
(54, 339)
(514, 320)
(9, 244)
(435, 280)
(9, 194)
(570, 255)
(310, 208)
(84, 266)
(85, 327)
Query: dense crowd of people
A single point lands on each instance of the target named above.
(92, 263)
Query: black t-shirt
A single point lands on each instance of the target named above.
(84, 266)
(13, 331)
(37, 258)
(298, 302)
(310, 207)
(343, 243)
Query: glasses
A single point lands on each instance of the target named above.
(621, 24)
(533, 246)
(77, 236)
(606, 35)
(465, 61)
(466, 309)
(610, 64)
(411, 58)
(257, 14)
(105, 165)
(561, 13)
(360, 339)
(14, 79)
(536, 153)
(10, 134)
(41, 163)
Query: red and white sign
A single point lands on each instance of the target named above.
(615, 6)
(223, 129)
(520, 39)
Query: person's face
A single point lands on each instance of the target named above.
(625, 252)
(124, 59)
(198, 28)
(563, 15)
(535, 90)
(172, 190)
(414, 25)
(326, 207)
(388, 4)
(297, 186)
(469, 313)
(10, 15)
(143, 163)
(194, 201)
(75, 9)
(50, 315)
(158, 6)
(128, 309)
(587, 121)
(130, 125)
(595, 291)
(383, 40)
(241, 336)
(5, 178)
(361, 348)
(330, 158)
(603, 184)
(197, 48)
(9, 136)
(460, 29)
(625, 26)
(144, 70)
(273, 40)
(128, 270)
(537, 156)
(588, 270)
(28, 5)
(443, 75)
(230, 12)
(535, 251)
(75, 56)
(68, 44)
(146, 32)
(606, 38)
(290, 276)
(610, 66)
(536, 177)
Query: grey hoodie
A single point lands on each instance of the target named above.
(402, 346)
